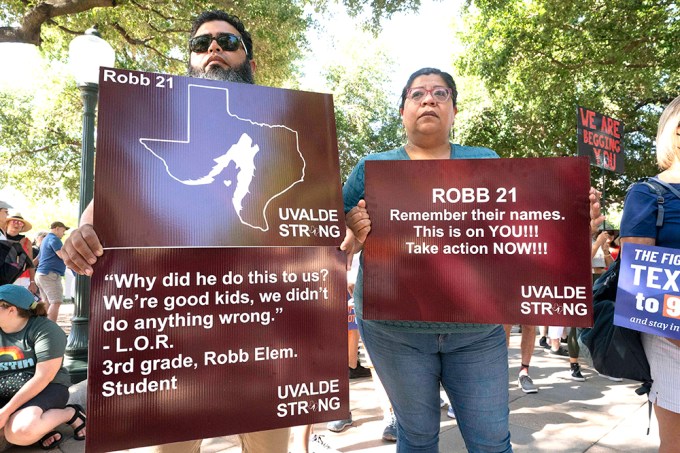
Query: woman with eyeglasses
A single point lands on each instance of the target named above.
(412, 359)
(33, 382)
(638, 226)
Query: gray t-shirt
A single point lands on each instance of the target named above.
(39, 341)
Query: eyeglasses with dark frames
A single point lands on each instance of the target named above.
(227, 41)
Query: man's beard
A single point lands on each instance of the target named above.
(239, 74)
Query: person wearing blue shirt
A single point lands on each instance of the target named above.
(638, 226)
(51, 269)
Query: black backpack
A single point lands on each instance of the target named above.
(13, 261)
(617, 351)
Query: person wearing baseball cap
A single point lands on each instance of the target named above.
(51, 269)
(55, 225)
(4, 212)
(32, 360)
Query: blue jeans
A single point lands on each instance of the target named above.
(472, 368)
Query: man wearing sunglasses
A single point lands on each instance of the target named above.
(220, 49)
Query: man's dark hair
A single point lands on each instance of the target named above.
(209, 16)
(427, 71)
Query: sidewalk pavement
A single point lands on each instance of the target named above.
(595, 416)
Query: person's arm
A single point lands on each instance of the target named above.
(350, 246)
(82, 248)
(44, 374)
(608, 260)
(357, 222)
(596, 217)
(597, 244)
(32, 287)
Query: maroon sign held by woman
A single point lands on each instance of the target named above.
(480, 241)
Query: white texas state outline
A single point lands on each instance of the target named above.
(241, 153)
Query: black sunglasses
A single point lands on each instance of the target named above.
(226, 41)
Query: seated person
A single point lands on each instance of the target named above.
(34, 391)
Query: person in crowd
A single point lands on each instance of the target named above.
(51, 269)
(602, 259)
(555, 334)
(16, 225)
(390, 431)
(638, 226)
(356, 370)
(220, 49)
(524, 381)
(543, 341)
(432, 352)
(615, 245)
(36, 246)
(4, 212)
(34, 384)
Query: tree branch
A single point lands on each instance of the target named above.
(128, 38)
(29, 30)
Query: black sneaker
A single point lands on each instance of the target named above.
(359, 372)
(560, 352)
(576, 373)
(543, 342)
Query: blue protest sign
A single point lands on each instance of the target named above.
(648, 297)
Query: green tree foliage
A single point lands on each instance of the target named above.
(40, 141)
(40, 130)
(366, 121)
(539, 59)
(151, 35)
(41, 144)
(378, 9)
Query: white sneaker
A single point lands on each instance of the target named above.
(611, 378)
(450, 413)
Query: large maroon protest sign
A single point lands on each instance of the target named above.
(482, 241)
(601, 138)
(202, 323)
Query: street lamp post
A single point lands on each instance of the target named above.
(87, 53)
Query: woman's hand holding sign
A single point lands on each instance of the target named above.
(358, 227)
